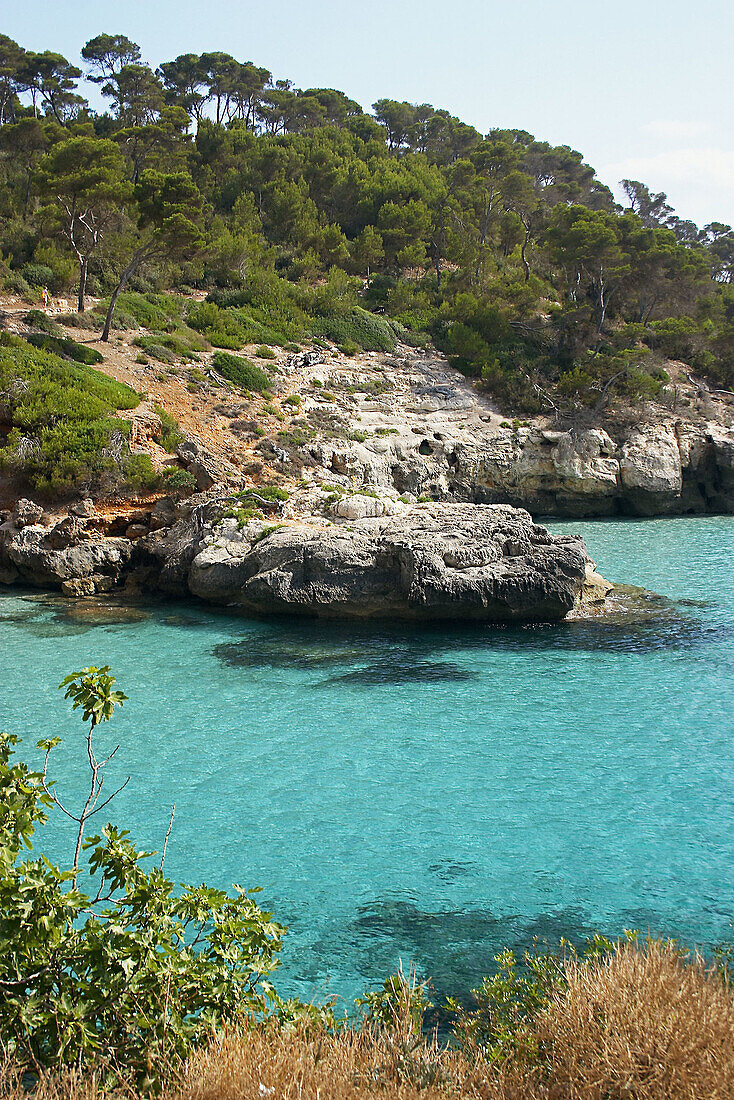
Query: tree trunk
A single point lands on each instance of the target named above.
(124, 279)
(523, 255)
(82, 284)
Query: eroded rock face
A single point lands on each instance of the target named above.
(433, 562)
(669, 468)
(206, 468)
(33, 555)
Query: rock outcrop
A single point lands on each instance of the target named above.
(429, 562)
(416, 562)
(412, 424)
(657, 469)
(62, 557)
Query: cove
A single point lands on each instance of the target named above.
(433, 795)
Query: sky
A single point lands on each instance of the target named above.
(644, 90)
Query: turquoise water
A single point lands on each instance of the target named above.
(430, 795)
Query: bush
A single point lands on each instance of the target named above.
(184, 343)
(242, 372)
(157, 351)
(60, 414)
(176, 479)
(90, 321)
(222, 328)
(36, 318)
(38, 275)
(67, 348)
(140, 473)
(16, 284)
(360, 328)
(172, 434)
(132, 975)
(152, 311)
(264, 352)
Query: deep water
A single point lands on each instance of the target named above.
(426, 794)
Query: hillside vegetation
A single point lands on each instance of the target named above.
(60, 417)
(303, 217)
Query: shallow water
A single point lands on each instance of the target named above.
(426, 794)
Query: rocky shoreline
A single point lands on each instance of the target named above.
(400, 492)
(422, 562)
(410, 424)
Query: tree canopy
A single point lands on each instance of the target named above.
(210, 172)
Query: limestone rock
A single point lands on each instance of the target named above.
(28, 554)
(361, 506)
(206, 467)
(145, 427)
(26, 513)
(431, 562)
(84, 508)
(304, 359)
(163, 514)
(651, 469)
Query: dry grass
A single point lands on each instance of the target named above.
(640, 1024)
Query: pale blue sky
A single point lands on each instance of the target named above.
(643, 90)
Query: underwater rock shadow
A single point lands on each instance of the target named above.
(390, 671)
(457, 948)
(392, 653)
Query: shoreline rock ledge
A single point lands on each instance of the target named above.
(422, 562)
(431, 562)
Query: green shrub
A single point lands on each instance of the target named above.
(89, 321)
(38, 275)
(175, 479)
(157, 312)
(36, 318)
(365, 330)
(131, 976)
(264, 352)
(16, 284)
(185, 343)
(237, 369)
(172, 434)
(222, 328)
(266, 531)
(63, 346)
(140, 473)
(60, 415)
(243, 515)
(292, 399)
(160, 352)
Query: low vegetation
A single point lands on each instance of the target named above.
(63, 433)
(237, 369)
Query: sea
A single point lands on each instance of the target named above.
(424, 796)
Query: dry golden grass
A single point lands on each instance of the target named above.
(640, 1024)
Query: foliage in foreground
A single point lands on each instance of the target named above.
(104, 962)
(641, 1022)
